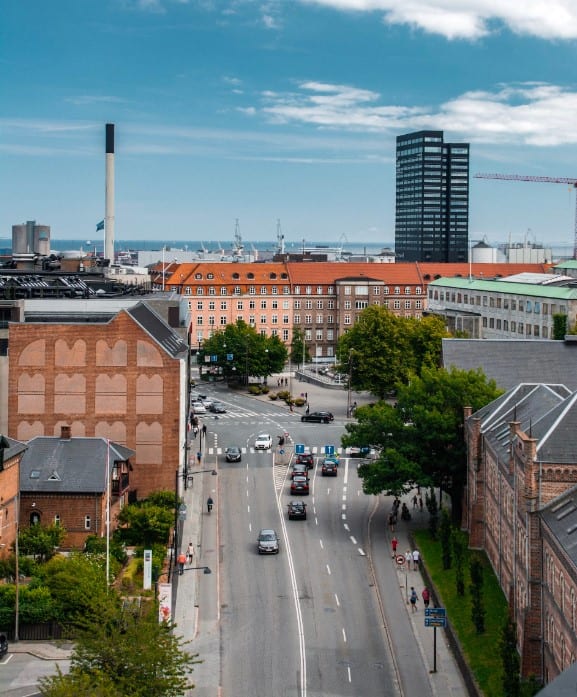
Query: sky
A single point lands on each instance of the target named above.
(260, 111)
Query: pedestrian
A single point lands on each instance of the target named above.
(392, 520)
(426, 597)
(416, 559)
(421, 503)
(291, 407)
(408, 559)
(204, 430)
(195, 431)
(198, 457)
(181, 562)
(413, 599)
(415, 501)
(306, 396)
(189, 553)
(307, 409)
(394, 543)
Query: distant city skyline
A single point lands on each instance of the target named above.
(271, 110)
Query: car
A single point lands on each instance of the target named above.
(198, 408)
(300, 470)
(300, 485)
(305, 458)
(207, 402)
(321, 417)
(359, 451)
(197, 397)
(233, 454)
(297, 510)
(332, 458)
(263, 442)
(329, 468)
(268, 542)
(217, 408)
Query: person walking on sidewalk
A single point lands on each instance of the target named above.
(413, 599)
(189, 553)
(426, 597)
(394, 543)
(181, 562)
(416, 559)
(392, 521)
(408, 559)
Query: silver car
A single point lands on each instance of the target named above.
(268, 542)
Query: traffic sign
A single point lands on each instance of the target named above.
(436, 622)
(299, 448)
(435, 612)
(281, 452)
(400, 559)
(329, 449)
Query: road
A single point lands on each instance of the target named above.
(308, 621)
(20, 672)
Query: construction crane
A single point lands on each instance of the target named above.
(546, 180)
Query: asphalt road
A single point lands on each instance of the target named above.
(305, 622)
(20, 672)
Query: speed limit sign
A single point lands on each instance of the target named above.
(400, 560)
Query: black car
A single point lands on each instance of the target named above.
(297, 510)
(233, 454)
(300, 470)
(305, 459)
(329, 468)
(217, 408)
(320, 417)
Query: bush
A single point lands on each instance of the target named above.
(273, 396)
(254, 389)
(284, 394)
(299, 402)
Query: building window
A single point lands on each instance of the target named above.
(187, 290)
(331, 304)
(319, 319)
(252, 320)
(513, 327)
(308, 319)
(319, 304)
(237, 290)
(347, 290)
(308, 290)
(385, 303)
(199, 319)
(397, 305)
(319, 335)
(297, 290)
(87, 522)
(199, 305)
(200, 290)
(308, 334)
(275, 304)
(397, 290)
(331, 290)
(251, 290)
(57, 520)
(211, 290)
(285, 319)
(223, 305)
(319, 290)
(211, 320)
(223, 320)
(407, 290)
(263, 319)
(330, 334)
(211, 305)
(308, 304)
(297, 319)
(386, 290)
(376, 290)
(274, 319)
(286, 290)
(285, 334)
(223, 290)
(330, 319)
(274, 332)
(263, 290)
(239, 304)
(418, 304)
(274, 290)
(263, 304)
(347, 319)
(361, 304)
(347, 304)
(407, 304)
(536, 330)
(418, 290)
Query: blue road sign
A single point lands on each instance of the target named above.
(436, 622)
(435, 612)
(299, 448)
(281, 452)
(329, 449)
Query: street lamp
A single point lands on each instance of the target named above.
(205, 569)
(349, 385)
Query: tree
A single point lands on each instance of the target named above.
(405, 347)
(299, 350)
(477, 600)
(421, 439)
(510, 655)
(239, 351)
(559, 327)
(445, 534)
(144, 523)
(41, 541)
(124, 651)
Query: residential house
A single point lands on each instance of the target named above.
(11, 453)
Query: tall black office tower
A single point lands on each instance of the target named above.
(432, 204)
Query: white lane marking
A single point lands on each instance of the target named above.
(353, 540)
(248, 508)
(346, 470)
(328, 570)
(362, 552)
(344, 636)
(349, 672)
(346, 527)
(321, 543)
(344, 507)
(345, 489)
(316, 521)
(337, 600)
(344, 497)
(343, 516)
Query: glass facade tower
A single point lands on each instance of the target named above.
(432, 202)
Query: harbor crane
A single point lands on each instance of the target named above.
(547, 180)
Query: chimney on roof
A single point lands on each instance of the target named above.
(65, 432)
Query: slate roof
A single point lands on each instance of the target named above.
(11, 447)
(158, 330)
(68, 465)
(534, 406)
(560, 516)
(511, 361)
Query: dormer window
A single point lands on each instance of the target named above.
(198, 276)
(210, 275)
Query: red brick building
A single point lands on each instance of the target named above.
(521, 509)
(123, 378)
(11, 453)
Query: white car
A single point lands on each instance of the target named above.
(263, 442)
(198, 408)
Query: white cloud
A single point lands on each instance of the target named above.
(535, 114)
(471, 19)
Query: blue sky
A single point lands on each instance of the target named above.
(281, 110)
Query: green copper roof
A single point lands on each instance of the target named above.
(507, 287)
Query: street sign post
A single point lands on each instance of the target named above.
(329, 449)
(400, 559)
(299, 448)
(435, 617)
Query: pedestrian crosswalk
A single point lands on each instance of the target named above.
(241, 414)
(317, 451)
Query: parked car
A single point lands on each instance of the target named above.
(305, 458)
(329, 468)
(233, 454)
(268, 542)
(263, 442)
(297, 510)
(359, 451)
(198, 408)
(300, 485)
(207, 402)
(217, 408)
(321, 417)
(299, 470)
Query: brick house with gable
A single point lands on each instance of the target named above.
(11, 453)
(64, 481)
(521, 509)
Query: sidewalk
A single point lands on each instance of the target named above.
(47, 651)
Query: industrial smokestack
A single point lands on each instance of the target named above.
(109, 203)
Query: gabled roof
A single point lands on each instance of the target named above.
(555, 432)
(513, 361)
(560, 515)
(212, 273)
(527, 403)
(68, 465)
(158, 330)
(11, 447)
